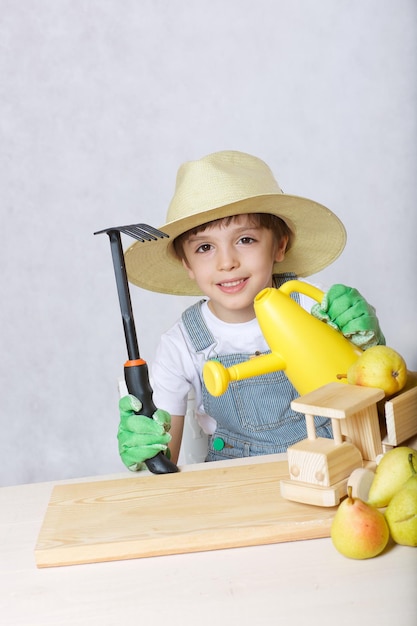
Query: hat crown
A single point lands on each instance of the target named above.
(217, 180)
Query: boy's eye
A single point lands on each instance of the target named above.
(205, 247)
(246, 240)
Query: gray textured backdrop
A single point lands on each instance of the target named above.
(101, 100)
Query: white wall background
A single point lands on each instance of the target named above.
(100, 102)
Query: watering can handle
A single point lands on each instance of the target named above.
(306, 289)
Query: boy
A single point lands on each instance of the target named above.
(233, 232)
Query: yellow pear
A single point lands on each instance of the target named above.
(358, 531)
(380, 367)
(401, 513)
(390, 475)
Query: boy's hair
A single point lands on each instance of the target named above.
(262, 220)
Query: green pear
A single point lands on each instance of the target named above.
(358, 531)
(391, 473)
(401, 513)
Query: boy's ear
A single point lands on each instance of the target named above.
(280, 249)
(188, 268)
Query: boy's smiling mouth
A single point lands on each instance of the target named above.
(231, 285)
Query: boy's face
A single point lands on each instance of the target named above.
(231, 264)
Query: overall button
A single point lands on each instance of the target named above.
(218, 444)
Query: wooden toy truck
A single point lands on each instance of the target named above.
(320, 468)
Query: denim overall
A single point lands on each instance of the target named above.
(254, 415)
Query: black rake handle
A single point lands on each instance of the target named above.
(135, 369)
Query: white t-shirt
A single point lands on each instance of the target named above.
(177, 368)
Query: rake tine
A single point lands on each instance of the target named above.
(151, 230)
(137, 233)
(141, 232)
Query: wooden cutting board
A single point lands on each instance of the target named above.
(192, 511)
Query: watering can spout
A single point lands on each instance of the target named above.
(310, 352)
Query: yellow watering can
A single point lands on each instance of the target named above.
(310, 352)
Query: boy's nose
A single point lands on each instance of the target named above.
(227, 260)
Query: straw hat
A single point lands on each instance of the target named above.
(231, 183)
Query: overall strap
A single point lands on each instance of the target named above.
(200, 336)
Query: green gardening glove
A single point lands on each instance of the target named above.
(346, 310)
(141, 438)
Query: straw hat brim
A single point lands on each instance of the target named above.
(319, 238)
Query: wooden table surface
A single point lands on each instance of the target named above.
(301, 582)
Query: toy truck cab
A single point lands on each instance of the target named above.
(319, 468)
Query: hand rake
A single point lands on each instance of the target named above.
(135, 369)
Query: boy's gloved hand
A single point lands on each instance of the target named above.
(141, 438)
(346, 310)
